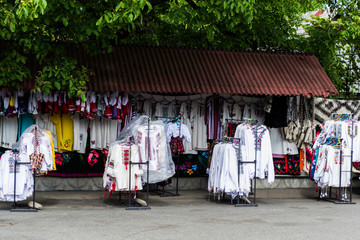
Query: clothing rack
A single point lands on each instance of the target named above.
(131, 206)
(163, 192)
(15, 208)
(341, 199)
(243, 201)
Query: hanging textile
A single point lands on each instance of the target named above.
(154, 148)
(335, 139)
(37, 144)
(225, 173)
(64, 131)
(199, 129)
(278, 114)
(25, 121)
(24, 177)
(9, 127)
(117, 168)
(150, 137)
(324, 108)
(81, 126)
(185, 110)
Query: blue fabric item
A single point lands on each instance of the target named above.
(313, 164)
(25, 121)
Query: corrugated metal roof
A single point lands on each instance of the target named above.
(190, 71)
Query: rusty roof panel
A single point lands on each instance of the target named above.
(190, 71)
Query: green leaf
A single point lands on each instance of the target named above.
(117, 7)
(57, 85)
(96, 33)
(107, 19)
(149, 6)
(26, 13)
(83, 97)
(12, 27)
(99, 21)
(88, 31)
(65, 21)
(131, 17)
(44, 3)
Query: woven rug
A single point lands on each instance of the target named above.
(324, 108)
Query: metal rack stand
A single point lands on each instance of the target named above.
(15, 205)
(164, 193)
(131, 206)
(340, 199)
(241, 202)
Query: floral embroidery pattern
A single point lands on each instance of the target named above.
(93, 157)
(67, 143)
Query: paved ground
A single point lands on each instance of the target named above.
(281, 214)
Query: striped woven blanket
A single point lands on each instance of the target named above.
(324, 108)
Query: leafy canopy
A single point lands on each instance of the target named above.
(41, 31)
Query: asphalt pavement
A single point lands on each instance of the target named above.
(280, 214)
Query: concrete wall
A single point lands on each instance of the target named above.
(196, 183)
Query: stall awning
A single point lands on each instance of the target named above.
(190, 71)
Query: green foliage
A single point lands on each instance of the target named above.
(12, 69)
(336, 42)
(46, 28)
(63, 74)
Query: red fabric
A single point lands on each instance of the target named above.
(56, 108)
(107, 112)
(64, 108)
(93, 107)
(40, 108)
(71, 105)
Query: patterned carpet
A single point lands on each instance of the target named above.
(324, 108)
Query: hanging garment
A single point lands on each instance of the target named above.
(175, 129)
(199, 134)
(102, 133)
(225, 175)
(154, 148)
(43, 122)
(25, 121)
(255, 139)
(176, 145)
(117, 168)
(237, 112)
(280, 145)
(337, 137)
(185, 110)
(96, 140)
(9, 132)
(147, 108)
(28, 146)
(52, 149)
(24, 177)
(226, 113)
(278, 114)
(64, 131)
(80, 133)
(212, 118)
